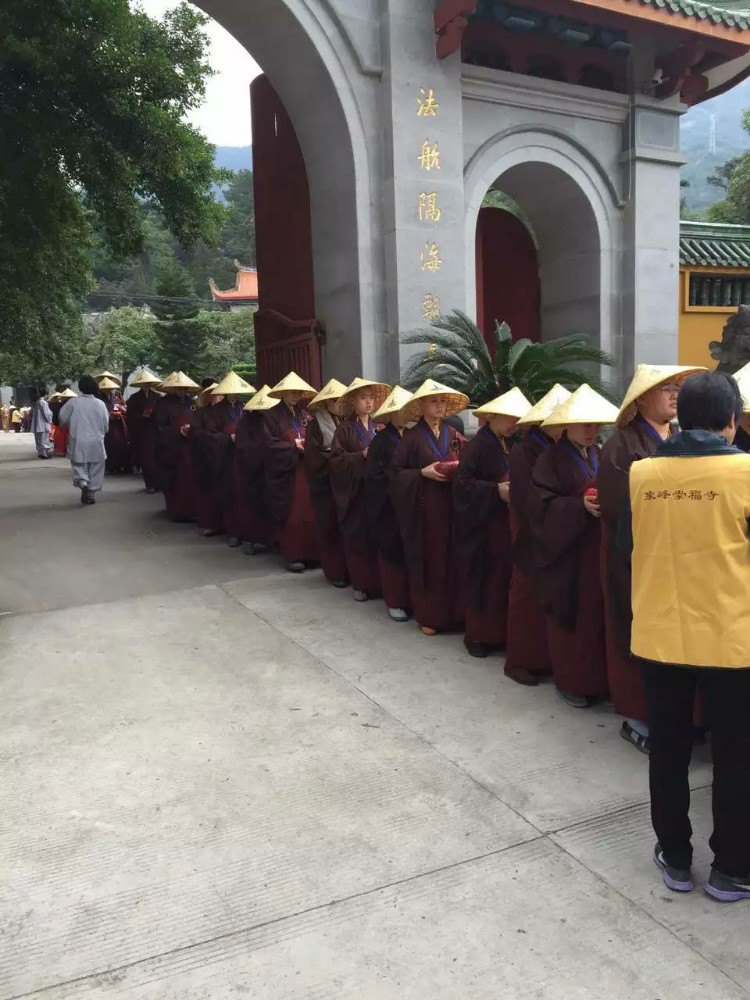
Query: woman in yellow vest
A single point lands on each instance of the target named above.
(691, 626)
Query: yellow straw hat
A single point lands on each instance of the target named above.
(511, 404)
(648, 377)
(109, 375)
(742, 378)
(107, 383)
(546, 405)
(331, 390)
(68, 394)
(393, 405)
(585, 406)
(54, 397)
(414, 409)
(261, 401)
(233, 385)
(346, 402)
(179, 380)
(203, 398)
(293, 383)
(146, 378)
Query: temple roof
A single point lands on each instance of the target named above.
(245, 286)
(714, 244)
(732, 13)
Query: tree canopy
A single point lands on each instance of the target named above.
(93, 96)
(734, 177)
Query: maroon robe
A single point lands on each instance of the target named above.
(207, 451)
(317, 458)
(626, 445)
(175, 467)
(381, 518)
(347, 467)
(286, 487)
(482, 537)
(249, 454)
(526, 646)
(424, 508)
(223, 421)
(117, 438)
(142, 427)
(567, 543)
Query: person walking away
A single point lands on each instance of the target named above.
(87, 421)
(690, 538)
(381, 513)
(644, 421)
(567, 543)
(482, 522)
(742, 378)
(41, 422)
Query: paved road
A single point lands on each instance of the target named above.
(226, 781)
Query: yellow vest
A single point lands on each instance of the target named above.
(691, 560)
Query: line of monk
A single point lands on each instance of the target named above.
(509, 536)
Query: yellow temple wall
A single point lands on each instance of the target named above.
(698, 325)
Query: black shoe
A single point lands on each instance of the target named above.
(84, 494)
(477, 649)
(522, 676)
(726, 889)
(635, 738)
(676, 879)
(296, 567)
(341, 584)
(91, 499)
(234, 542)
(209, 532)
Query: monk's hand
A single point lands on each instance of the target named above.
(185, 430)
(300, 444)
(592, 507)
(233, 436)
(365, 452)
(431, 472)
(504, 490)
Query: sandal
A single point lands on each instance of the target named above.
(636, 739)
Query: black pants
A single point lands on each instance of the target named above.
(670, 696)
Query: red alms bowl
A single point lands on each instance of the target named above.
(449, 468)
(592, 493)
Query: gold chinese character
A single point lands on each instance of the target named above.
(429, 158)
(430, 307)
(430, 257)
(427, 106)
(428, 207)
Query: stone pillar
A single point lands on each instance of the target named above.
(651, 183)
(423, 199)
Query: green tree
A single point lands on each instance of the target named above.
(93, 97)
(179, 339)
(458, 356)
(734, 177)
(125, 340)
(229, 343)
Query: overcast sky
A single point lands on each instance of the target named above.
(225, 117)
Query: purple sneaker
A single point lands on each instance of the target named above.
(726, 889)
(676, 879)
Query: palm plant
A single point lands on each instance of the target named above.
(458, 356)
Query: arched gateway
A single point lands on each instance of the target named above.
(407, 111)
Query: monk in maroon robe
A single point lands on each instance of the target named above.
(424, 506)
(223, 420)
(286, 486)
(175, 468)
(249, 454)
(567, 543)
(142, 427)
(318, 442)
(117, 438)
(207, 448)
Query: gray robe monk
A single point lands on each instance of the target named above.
(41, 421)
(87, 419)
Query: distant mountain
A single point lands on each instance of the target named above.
(711, 134)
(234, 157)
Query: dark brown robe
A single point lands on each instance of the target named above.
(249, 451)
(174, 464)
(347, 469)
(317, 458)
(424, 509)
(117, 438)
(626, 445)
(482, 537)
(567, 543)
(207, 450)
(526, 646)
(286, 487)
(381, 517)
(142, 426)
(224, 421)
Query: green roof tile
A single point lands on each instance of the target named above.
(707, 244)
(731, 13)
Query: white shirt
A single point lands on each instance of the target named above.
(88, 421)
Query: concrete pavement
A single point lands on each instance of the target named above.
(229, 781)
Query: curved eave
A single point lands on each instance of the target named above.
(726, 76)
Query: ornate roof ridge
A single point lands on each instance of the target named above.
(731, 13)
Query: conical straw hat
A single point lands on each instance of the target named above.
(546, 405)
(178, 380)
(293, 383)
(68, 394)
(648, 377)
(203, 398)
(511, 404)
(233, 385)
(105, 384)
(331, 390)
(394, 404)
(261, 401)
(585, 406)
(54, 397)
(146, 378)
(379, 389)
(414, 409)
(109, 375)
(742, 378)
